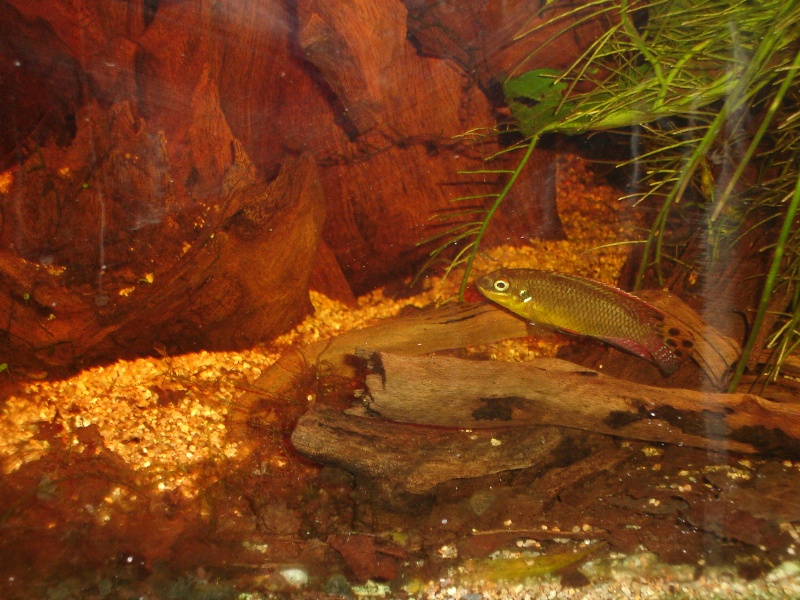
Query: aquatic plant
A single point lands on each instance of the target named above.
(704, 91)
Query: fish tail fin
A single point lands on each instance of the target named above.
(670, 345)
(663, 356)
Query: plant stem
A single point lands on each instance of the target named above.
(490, 213)
(769, 285)
(762, 130)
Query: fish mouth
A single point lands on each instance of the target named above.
(484, 282)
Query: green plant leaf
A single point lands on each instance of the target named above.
(536, 99)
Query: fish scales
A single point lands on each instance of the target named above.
(586, 307)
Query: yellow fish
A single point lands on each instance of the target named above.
(586, 307)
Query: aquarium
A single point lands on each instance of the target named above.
(399, 299)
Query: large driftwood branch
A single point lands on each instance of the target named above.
(447, 327)
(450, 392)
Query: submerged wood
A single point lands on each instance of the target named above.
(461, 325)
(451, 392)
(714, 352)
(415, 459)
(428, 330)
(423, 332)
(418, 458)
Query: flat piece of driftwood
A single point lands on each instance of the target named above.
(450, 392)
(449, 326)
(418, 458)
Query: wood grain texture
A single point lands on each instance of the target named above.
(419, 458)
(451, 392)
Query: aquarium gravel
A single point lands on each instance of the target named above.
(713, 585)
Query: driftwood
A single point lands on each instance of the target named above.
(447, 327)
(418, 458)
(450, 392)
(714, 352)
(433, 330)
(415, 389)
(415, 459)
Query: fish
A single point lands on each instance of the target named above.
(582, 306)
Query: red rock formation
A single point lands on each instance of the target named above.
(167, 164)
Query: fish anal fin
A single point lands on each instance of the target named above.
(632, 346)
(667, 352)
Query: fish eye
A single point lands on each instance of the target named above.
(501, 285)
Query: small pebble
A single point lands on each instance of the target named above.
(295, 576)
